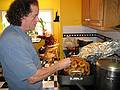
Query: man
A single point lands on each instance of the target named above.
(21, 66)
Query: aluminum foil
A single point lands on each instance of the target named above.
(99, 50)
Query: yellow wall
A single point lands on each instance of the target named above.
(4, 5)
(44, 4)
(70, 12)
(0, 23)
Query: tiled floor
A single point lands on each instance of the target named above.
(3, 84)
(50, 82)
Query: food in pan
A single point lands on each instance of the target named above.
(90, 49)
(78, 67)
(104, 49)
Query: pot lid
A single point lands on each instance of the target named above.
(108, 64)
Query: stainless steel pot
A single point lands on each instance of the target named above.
(107, 75)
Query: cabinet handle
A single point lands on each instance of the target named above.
(100, 21)
(87, 19)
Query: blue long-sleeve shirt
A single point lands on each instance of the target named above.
(18, 58)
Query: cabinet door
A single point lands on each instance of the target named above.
(92, 12)
(85, 12)
(101, 14)
(111, 13)
(96, 12)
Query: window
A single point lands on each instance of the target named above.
(4, 20)
(46, 16)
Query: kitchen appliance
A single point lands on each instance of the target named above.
(108, 74)
(80, 81)
(77, 74)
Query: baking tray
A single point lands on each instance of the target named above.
(73, 80)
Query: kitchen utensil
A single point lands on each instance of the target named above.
(108, 74)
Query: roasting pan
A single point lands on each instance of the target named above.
(75, 80)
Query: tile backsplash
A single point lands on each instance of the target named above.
(83, 29)
(80, 29)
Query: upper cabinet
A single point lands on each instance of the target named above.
(101, 14)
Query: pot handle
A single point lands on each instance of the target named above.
(109, 78)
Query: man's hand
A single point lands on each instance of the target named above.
(64, 63)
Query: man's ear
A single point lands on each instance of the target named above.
(23, 18)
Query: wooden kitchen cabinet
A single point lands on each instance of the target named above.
(101, 14)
